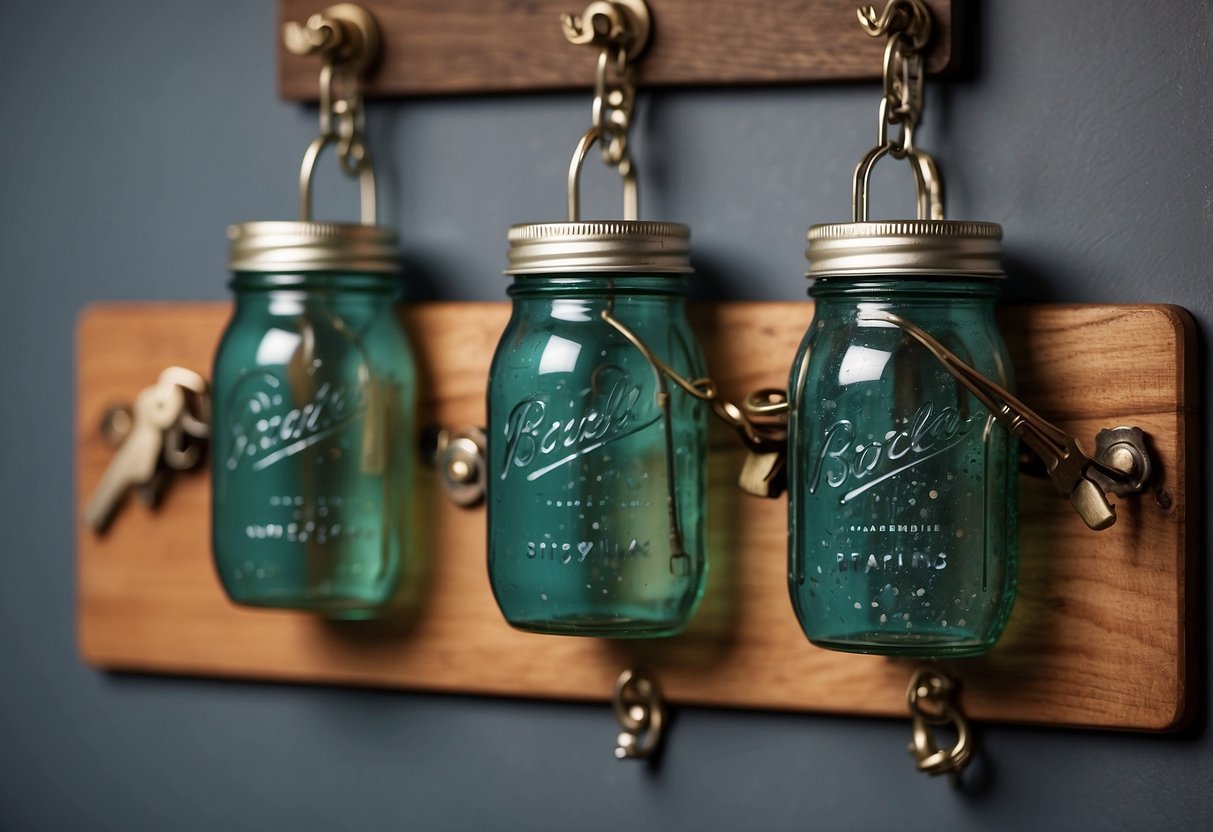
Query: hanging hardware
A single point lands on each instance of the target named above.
(1123, 449)
(932, 700)
(347, 39)
(164, 431)
(459, 456)
(680, 561)
(1070, 468)
(640, 709)
(620, 30)
(907, 24)
(762, 419)
(758, 421)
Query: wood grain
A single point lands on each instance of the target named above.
(1099, 636)
(436, 47)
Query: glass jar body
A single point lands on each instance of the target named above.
(311, 460)
(596, 490)
(902, 507)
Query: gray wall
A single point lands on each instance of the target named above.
(132, 133)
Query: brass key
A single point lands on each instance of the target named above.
(156, 409)
(765, 473)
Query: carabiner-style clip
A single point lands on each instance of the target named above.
(1069, 467)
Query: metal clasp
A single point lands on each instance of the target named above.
(1124, 460)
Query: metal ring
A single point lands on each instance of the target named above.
(366, 180)
(932, 759)
(931, 686)
(927, 185)
(626, 172)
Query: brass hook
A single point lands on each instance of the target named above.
(640, 709)
(344, 33)
(623, 24)
(930, 697)
(909, 16)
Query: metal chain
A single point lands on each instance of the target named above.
(620, 31)
(342, 117)
(907, 24)
(902, 103)
(347, 39)
(614, 101)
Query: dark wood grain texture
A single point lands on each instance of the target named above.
(439, 47)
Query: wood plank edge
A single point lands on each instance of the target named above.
(1193, 637)
(948, 57)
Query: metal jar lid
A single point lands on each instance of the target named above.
(295, 246)
(632, 246)
(926, 248)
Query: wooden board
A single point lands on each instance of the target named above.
(435, 47)
(1100, 635)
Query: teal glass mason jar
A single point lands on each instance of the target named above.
(597, 460)
(313, 420)
(902, 497)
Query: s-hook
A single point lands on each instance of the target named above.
(931, 697)
(640, 709)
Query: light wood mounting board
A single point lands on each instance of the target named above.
(439, 47)
(1100, 635)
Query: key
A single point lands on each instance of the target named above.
(156, 409)
(764, 473)
(185, 439)
(150, 493)
(195, 418)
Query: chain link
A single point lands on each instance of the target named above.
(346, 38)
(614, 101)
(907, 25)
(931, 697)
(903, 97)
(342, 117)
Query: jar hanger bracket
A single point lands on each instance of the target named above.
(620, 30)
(347, 39)
(907, 25)
(1123, 461)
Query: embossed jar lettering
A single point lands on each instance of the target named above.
(596, 470)
(902, 487)
(313, 400)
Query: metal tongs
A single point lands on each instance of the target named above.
(1068, 465)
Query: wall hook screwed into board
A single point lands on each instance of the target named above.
(344, 33)
(626, 24)
(640, 709)
(460, 459)
(931, 697)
